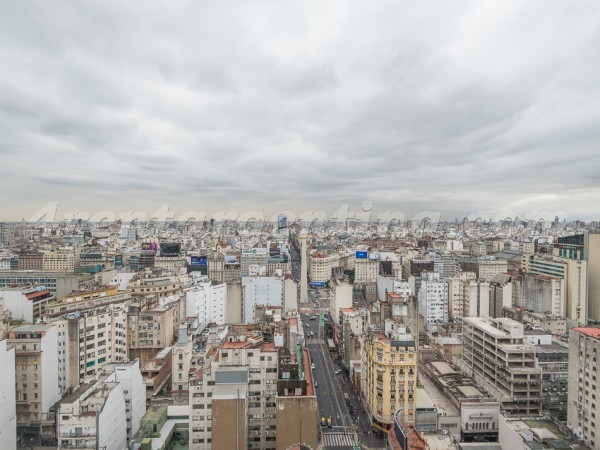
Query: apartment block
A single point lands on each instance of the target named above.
(36, 373)
(151, 327)
(93, 417)
(340, 297)
(389, 377)
(89, 340)
(583, 412)
(236, 390)
(433, 300)
(320, 265)
(494, 354)
(59, 261)
(489, 267)
(575, 275)
(544, 294)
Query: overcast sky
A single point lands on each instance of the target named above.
(423, 105)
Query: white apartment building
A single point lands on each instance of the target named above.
(433, 300)
(207, 302)
(132, 384)
(366, 270)
(93, 417)
(266, 291)
(495, 354)
(8, 411)
(583, 409)
(340, 297)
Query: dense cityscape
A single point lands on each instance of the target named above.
(299, 225)
(270, 335)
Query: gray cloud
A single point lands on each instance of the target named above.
(213, 105)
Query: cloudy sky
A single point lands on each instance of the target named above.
(441, 106)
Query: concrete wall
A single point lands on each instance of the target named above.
(112, 422)
(18, 305)
(225, 436)
(233, 308)
(297, 419)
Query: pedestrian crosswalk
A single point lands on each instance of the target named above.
(314, 341)
(338, 440)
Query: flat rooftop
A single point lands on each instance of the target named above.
(588, 331)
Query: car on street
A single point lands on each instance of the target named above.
(312, 366)
(337, 371)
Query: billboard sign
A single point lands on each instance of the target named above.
(198, 261)
(254, 251)
(318, 283)
(232, 259)
(362, 255)
(170, 249)
(149, 246)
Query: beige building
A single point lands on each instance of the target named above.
(389, 377)
(593, 255)
(583, 411)
(59, 261)
(36, 373)
(490, 267)
(366, 270)
(320, 265)
(151, 327)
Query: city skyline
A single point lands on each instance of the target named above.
(453, 109)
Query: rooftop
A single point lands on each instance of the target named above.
(588, 331)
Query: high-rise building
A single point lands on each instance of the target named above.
(544, 293)
(575, 274)
(592, 250)
(36, 375)
(583, 412)
(500, 294)
(494, 354)
(433, 300)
